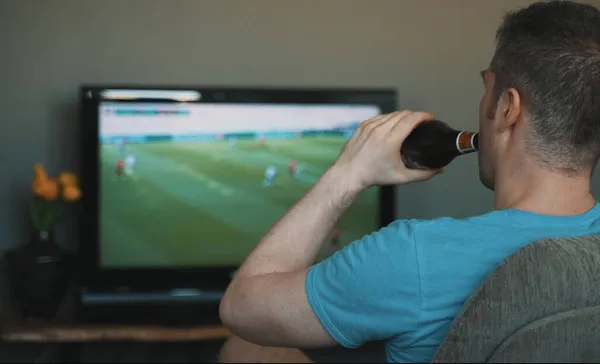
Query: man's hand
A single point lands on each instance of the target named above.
(372, 155)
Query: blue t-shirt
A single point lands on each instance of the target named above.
(405, 283)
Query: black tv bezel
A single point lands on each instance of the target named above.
(93, 277)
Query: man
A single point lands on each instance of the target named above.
(539, 141)
(232, 142)
(119, 167)
(262, 141)
(129, 164)
(292, 166)
(270, 174)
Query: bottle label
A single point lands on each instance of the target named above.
(465, 142)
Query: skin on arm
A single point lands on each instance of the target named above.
(266, 302)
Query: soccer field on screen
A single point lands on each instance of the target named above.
(205, 203)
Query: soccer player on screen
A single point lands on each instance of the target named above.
(270, 174)
(119, 167)
(129, 163)
(262, 141)
(232, 142)
(292, 167)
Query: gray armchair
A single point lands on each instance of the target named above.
(542, 304)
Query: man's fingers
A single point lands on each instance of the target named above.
(398, 124)
(365, 126)
(419, 116)
(394, 118)
(370, 124)
(387, 120)
(405, 126)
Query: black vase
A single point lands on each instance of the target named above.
(40, 273)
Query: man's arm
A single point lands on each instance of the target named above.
(256, 306)
(266, 303)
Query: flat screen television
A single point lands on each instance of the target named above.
(180, 183)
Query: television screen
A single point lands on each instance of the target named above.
(198, 184)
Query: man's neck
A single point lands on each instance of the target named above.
(542, 191)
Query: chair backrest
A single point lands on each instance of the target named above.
(541, 304)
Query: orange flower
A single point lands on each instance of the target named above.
(68, 179)
(71, 193)
(51, 189)
(38, 187)
(39, 172)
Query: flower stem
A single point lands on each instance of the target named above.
(43, 214)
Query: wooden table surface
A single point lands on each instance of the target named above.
(83, 333)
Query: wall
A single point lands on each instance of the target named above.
(430, 50)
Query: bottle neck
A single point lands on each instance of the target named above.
(467, 142)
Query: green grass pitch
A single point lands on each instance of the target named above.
(204, 203)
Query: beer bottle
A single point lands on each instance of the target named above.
(433, 145)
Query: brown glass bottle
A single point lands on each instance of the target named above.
(433, 145)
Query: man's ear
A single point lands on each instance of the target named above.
(510, 108)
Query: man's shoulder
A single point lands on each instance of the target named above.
(442, 231)
(448, 225)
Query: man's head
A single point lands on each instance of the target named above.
(542, 98)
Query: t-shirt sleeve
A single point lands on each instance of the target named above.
(369, 290)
